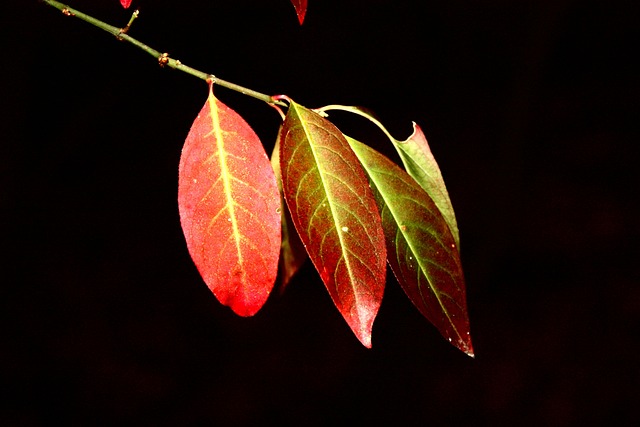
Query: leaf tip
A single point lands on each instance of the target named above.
(248, 302)
(242, 309)
(469, 351)
(301, 9)
(365, 339)
(465, 346)
(417, 134)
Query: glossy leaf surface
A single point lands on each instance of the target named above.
(230, 208)
(335, 214)
(301, 9)
(292, 251)
(421, 249)
(125, 3)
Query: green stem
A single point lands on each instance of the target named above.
(360, 112)
(163, 59)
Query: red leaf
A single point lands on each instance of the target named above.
(301, 9)
(230, 208)
(422, 249)
(125, 3)
(292, 251)
(335, 214)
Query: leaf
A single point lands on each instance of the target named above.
(292, 251)
(422, 166)
(301, 9)
(421, 250)
(419, 163)
(125, 3)
(230, 208)
(335, 214)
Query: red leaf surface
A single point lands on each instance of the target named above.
(421, 248)
(292, 251)
(125, 3)
(230, 208)
(301, 9)
(335, 214)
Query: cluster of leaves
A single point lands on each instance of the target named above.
(324, 196)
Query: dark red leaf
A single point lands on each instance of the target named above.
(335, 214)
(230, 208)
(125, 3)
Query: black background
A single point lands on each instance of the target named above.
(530, 108)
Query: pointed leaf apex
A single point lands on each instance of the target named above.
(365, 340)
(417, 133)
(465, 346)
(301, 9)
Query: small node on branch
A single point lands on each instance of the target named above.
(163, 60)
(276, 98)
(126, 28)
(67, 12)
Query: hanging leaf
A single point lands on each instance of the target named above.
(292, 251)
(419, 163)
(421, 249)
(335, 214)
(301, 9)
(125, 3)
(230, 208)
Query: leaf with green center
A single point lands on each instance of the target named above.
(292, 251)
(230, 208)
(421, 249)
(335, 214)
(419, 163)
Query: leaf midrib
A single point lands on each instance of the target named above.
(226, 180)
(336, 223)
(411, 247)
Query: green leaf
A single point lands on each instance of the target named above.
(421, 248)
(335, 214)
(422, 166)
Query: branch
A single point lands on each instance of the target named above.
(163, 58)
